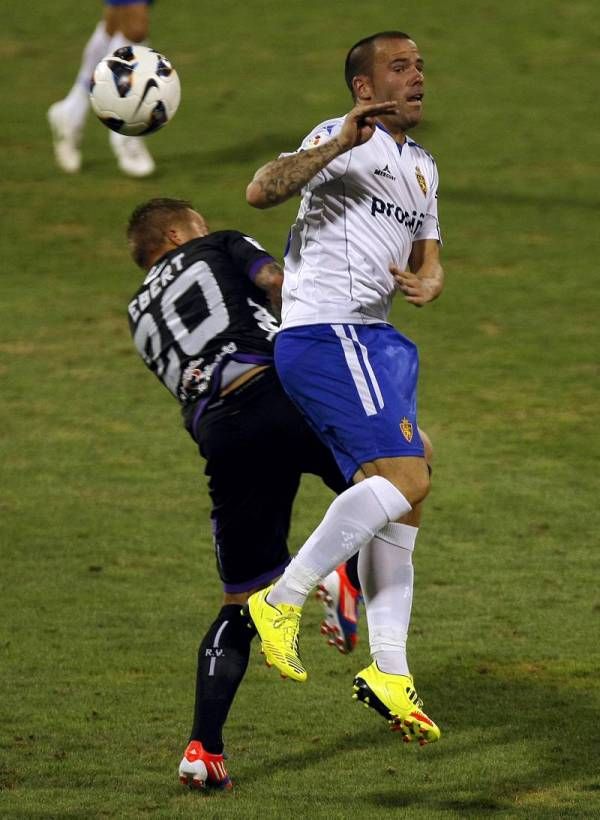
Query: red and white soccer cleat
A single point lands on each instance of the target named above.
(340, 599)
(199, 769)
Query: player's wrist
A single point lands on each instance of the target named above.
(341, 143)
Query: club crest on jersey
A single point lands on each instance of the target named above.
(406, 429)
(421, 180)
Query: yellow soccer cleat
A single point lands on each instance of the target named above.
(395, 698)
(278, 626)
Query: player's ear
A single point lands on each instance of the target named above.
(173, 235)
(361, 85)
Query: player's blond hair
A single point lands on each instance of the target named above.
(147, 225)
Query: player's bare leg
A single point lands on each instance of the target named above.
(67, 117)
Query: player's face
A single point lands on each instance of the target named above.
(397, 74)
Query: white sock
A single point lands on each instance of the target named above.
(386, 577)
(351, 521)
(76, 103)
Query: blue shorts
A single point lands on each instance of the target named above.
(357, 386)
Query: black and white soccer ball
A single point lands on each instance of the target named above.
(135, 90)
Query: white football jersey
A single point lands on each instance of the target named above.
(358, 215)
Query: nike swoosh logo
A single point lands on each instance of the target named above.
(150, 84)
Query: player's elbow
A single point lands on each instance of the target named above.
(255, 196)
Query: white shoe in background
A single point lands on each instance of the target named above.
(132, 155)
(66, 139)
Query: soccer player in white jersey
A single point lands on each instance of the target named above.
(367, 228)
(124, 23)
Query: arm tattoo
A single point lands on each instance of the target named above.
(284, 177)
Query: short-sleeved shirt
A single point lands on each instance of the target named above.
(358, 215)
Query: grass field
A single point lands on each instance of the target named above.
(108, 579)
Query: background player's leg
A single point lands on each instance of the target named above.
(132, 24)
(67, 116)
(133, 21)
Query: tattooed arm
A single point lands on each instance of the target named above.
(282, 178)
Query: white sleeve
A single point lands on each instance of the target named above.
(430, 229)
(319, 136)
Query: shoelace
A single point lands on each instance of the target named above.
(289, 622)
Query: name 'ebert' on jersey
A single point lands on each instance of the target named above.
(358, 215)
(199, 309)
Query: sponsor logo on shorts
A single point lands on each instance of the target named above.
(421, 180)
(406, 429)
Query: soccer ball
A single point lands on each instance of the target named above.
(135, 90)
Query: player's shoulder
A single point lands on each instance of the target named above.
(322, 132)
(224, 235)
(217, 240)
(238, 244)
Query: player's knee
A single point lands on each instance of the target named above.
(111, 20)
(418, 485)
(134, 23)
(135, 32)
(413, 482)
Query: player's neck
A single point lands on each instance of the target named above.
(396, 133)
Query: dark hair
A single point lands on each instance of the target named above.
(147, 225)
(359, 59)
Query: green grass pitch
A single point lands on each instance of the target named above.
(107, 578)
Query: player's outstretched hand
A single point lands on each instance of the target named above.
(359, 124)
(416, 289)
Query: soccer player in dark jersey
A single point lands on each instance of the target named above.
(202, 322)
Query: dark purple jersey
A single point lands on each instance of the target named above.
(198, 311)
